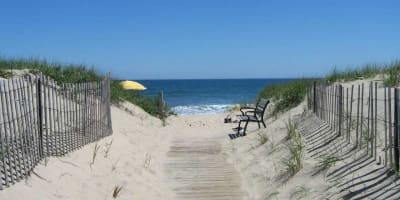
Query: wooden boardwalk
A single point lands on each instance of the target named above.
(197, 169)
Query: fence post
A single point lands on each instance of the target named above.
(396, 127)
(315, 97)
(340, 109)
(161, 108)
(40, 115)
(109, 103)
(85, 88)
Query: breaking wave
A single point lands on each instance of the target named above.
(201, 109)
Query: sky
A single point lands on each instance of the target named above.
(191, 39)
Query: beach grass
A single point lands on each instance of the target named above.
(325, 162)
(286, 95)
(289, 95)
(5, 74)
(78, 73)
(296, 149)
(116, 191)
(291, 129)
(390, 71)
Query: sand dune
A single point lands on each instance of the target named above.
(192, 157)
(131, 158)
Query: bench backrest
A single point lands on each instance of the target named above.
(261, 107)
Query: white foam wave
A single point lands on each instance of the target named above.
(201, 109)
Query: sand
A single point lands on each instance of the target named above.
(192, 157)
(131, 158)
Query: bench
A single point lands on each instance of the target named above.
(253, 114)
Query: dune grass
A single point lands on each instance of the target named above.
(290, 94)
(62, 73)
(325, 162)
(390, 71)
(116, 191)
(5, 74)
(286, 95)
(291, 129)
(296, 149)
(76, 73)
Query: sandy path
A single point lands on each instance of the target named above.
(197, 168)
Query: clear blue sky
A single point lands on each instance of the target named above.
(203, 38)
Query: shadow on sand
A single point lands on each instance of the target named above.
(355, 174)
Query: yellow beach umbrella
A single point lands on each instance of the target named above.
(132, 85)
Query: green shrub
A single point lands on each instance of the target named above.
(69, 73)
(5, 74)
(61, 73)
(286, 95)
(149, 103)
(393, 72)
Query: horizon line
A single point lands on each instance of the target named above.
(150, 79)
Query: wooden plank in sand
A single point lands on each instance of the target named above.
(197, 169)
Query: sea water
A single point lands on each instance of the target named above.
(207, 96)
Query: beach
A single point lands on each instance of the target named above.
(200, 157)
(143, 100)
(192, 157)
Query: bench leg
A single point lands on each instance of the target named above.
(238, 131)
(259, 124)
(245, 128)
(265, 126)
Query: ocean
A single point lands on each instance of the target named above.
(207, 96)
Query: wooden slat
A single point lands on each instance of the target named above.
(29, 126)
(71, 116)
(64, 107)
(17, 165)
(22, 127)
(33, 118)
(3, 175)
(6, 132)
(198, 169)
(51, 116)
(57, 119)
(98, 110)
(85, 112)
(69, 121)
(80, 116)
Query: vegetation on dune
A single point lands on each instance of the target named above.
(291, 129)
(5, 74)
(290, 94)
(286, 95)
(148, 103)
(72, 73)
(61, 73)
(390, 71)
(325, 162)
(296, 149)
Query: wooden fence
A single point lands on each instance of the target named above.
(40, 118)
(365, 115)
